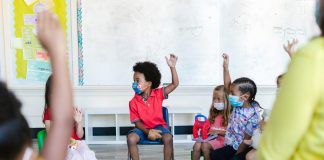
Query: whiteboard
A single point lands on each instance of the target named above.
(119, 33)
(254, 33)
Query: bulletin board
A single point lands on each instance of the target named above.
(27, 62)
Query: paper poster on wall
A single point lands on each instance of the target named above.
(31, 61)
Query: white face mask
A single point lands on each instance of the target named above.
(219, 106)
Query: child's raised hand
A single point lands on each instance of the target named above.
(172, 61)
(50, 34)
(226, 60)
(77, 115)
(289, 47)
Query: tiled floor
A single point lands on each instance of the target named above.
(147, 152)
(152, 152)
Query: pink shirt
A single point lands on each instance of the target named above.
(218, 125)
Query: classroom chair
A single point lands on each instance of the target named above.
(41, 135)
(165, 113)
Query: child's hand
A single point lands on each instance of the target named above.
(213, 132)
(262, 125)
(50, 34)
(77, 115)
(247, 142)
(172, 61)
(289, 47)
(154, 134)
(226, 60)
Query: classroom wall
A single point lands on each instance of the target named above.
(244, 42)
(118, 96)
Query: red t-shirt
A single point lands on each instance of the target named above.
(47, 116)
(149, 112)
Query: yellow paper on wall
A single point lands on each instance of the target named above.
(25, 28)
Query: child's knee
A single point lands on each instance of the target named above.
(132, 138)
(205, 147)
(167, 139)
(197, 147)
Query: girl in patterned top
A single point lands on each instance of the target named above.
(244, 119)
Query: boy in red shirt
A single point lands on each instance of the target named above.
(146, 106)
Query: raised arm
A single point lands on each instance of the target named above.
(226, 74)
(290, 47)
(52, 37)
(78, 121)
(172, 61)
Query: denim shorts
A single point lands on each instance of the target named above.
(143, 136)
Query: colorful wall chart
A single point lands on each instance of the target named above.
(31, 61)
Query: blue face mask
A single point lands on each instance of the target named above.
(136, 89)
(318, 12)
(234, 101)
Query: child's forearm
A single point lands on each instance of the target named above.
(241, 148)
(80, 132)
(61, 110)
(53, 40)
(221, 132)
(175, 78)
(175, 81)
(227, 79)
(61, 95)
(218, 132)
(140, 126)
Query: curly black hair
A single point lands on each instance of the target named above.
(14, 130)
(150, 71)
